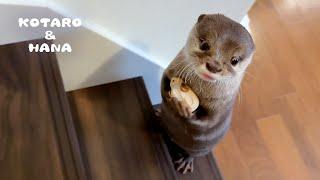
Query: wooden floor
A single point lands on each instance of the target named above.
(276, 126)
(37, 138)
(105, 132)
(118, 139)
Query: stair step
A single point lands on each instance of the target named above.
(103, 132)
(117, 136)
(37, 137)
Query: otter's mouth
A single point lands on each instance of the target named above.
(207, 76)
(204, 74)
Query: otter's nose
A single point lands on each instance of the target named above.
(213, 68)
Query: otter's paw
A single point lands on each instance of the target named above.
(184, 165)
(157, 111)
(182, 107)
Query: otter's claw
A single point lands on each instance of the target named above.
(184, 165)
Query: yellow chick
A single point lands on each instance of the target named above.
(183, 92)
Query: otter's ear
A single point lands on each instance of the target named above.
(201, 17)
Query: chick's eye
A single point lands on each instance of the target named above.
(235, 60)
(204, 46)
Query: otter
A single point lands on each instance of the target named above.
(212, 63)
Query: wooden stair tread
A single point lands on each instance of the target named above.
(37, 139)
(107, 131)
(117, 136)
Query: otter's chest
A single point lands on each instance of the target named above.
(211, 96)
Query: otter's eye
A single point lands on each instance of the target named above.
(204, 46)
(234, 60)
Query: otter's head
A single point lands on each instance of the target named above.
(219, 48)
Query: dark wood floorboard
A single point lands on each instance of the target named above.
(36, 137)
(118, 136)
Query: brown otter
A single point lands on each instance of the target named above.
(212, 63)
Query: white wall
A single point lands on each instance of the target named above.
(10, 31)
(96, 60)
(134, 39)
(152, 30)
(155, 30)
(25, 2)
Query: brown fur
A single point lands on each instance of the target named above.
(197, 133)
